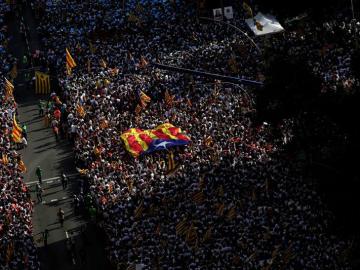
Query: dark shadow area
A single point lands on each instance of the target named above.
(326, 136)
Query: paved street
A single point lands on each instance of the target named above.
(54, 158)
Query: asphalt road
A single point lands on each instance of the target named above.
(54, 158)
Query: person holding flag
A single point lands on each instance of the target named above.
(16, 131)
(70, 63)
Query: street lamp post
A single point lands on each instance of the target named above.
(236, 28)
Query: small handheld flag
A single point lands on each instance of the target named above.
(16, 131)
(70, 63)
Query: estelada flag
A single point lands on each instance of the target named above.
(171, 164)
(16, 131)
(164, 136)
(42, 83)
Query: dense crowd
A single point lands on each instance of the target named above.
(235, 201)
(327, 49)
(17, 250)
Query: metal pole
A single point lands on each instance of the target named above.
(224, 78)
(352, 9)
(236, 28)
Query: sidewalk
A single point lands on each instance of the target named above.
(54, 158)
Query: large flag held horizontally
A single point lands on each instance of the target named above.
(42, 83)
(138, 141)
(70, 63)
(16, 131)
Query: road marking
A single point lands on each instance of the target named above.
(55, 200)
(67, 235)
(50, 180)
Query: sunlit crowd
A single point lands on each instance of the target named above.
(17, 250)
(236, 199)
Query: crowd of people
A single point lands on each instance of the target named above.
(235, 201)
(17, 250)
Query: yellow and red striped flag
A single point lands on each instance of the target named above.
(143, 62)
(16, 131)
(207, 235)
(169, 99)
(208, 141)
(171, 161)
(232, 213)
(220, 209)
(13, 72)
(139, 210)
(70, 63)
(104, 124)
(191, 235)
(102, 63)
(80, 111)
(138, 109)
(9, 89)
(198, 197)
(21, 166)
(5, 159)
(181, 227)
(144, 99)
